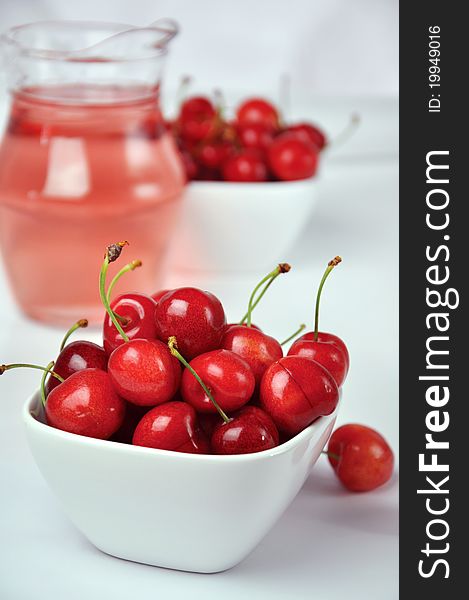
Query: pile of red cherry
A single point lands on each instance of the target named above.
(236, 393)
(255, 146)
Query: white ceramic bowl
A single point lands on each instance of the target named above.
(189, 512)
(240, 226)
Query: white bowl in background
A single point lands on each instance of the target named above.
(200, 513)
(240, 226)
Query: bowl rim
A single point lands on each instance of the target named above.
(30, 421)
(255, 185)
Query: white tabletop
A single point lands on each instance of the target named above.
(329, 544)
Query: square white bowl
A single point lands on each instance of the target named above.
(200, 513)
(226, 226)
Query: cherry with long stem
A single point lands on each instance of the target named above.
(112, 253)
(172, 345)
(294, 335)
(73, 328)
(267, 280)
(333, 263)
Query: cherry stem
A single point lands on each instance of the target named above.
(131, 266)
(112, 253)
(77, 325)
(293, 335)
(43, 383)
(347, 132)
(270, 278)
(331, 455)
(172, 344)
(4, 368)
(333, 263)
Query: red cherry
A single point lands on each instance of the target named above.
(77, 356)
(211, 155)
(256, 136)
(245, 166)
(295, 391)
(309, 133)
(196, 106)
(196, 318)
(86, 404)
(138, 311)
(329, 338)
(360, 457)
(326, 353)
(144, 372)
(258, 110)
(256, 348)
(250, 430)
(328, 349)
(228, 377)
(198, 119)
(291, 158)
(171, 426)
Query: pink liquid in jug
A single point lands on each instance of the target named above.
(77, 174)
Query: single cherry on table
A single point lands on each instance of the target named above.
(360, 457)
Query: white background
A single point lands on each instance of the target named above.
(342, 57)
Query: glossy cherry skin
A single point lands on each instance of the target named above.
(77, 356)
(255, 135)
(366, 460)
(329, 338)
(250, 430)
(258, 349)
(295, 391)
(144, 372)
(226, 374)
(195, 317)
(172, 426)
(86, 404)
(198, 119)
(309, 133)
(245, 166)
(291, 158)
(258, 110)
(211, 155)
(324, 351)
(139, 310)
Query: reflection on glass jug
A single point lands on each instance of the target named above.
(85, 161)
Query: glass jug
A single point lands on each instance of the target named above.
(85, 161)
